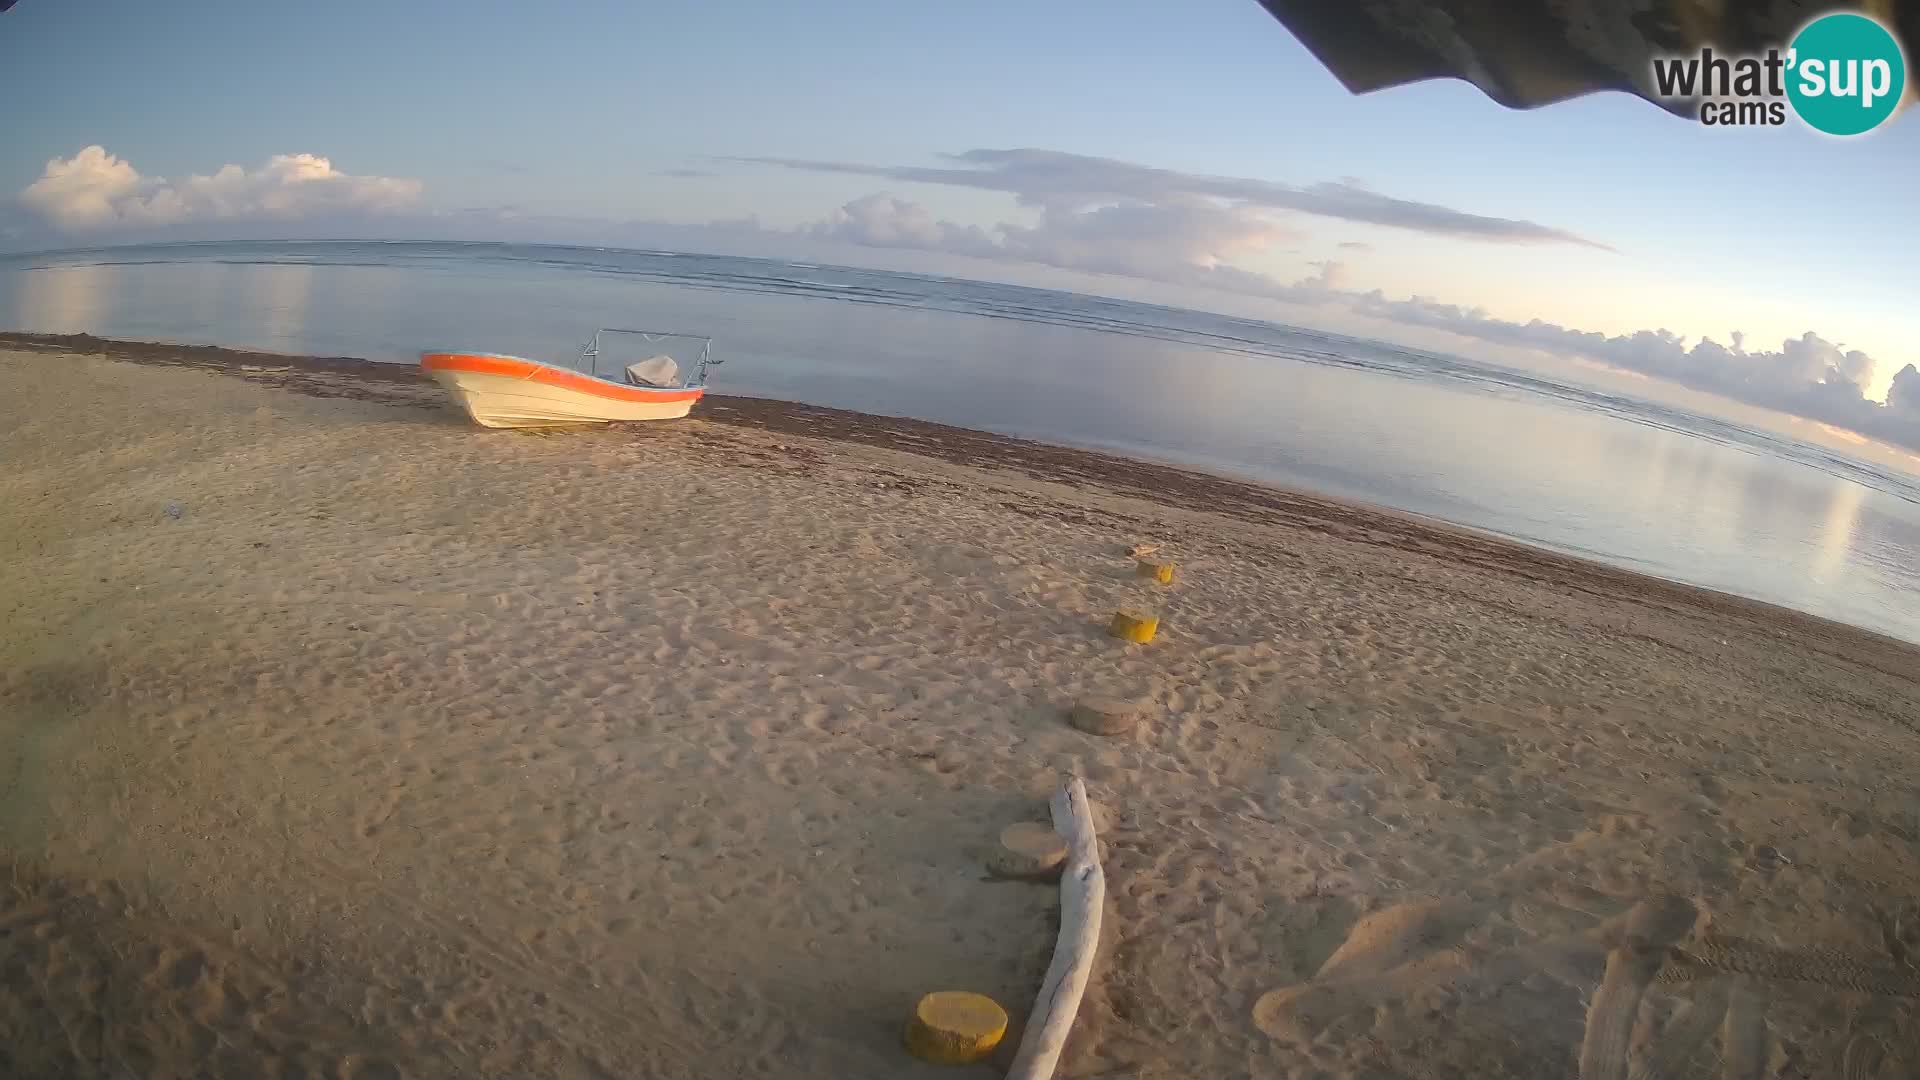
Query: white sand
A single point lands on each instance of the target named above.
(412, 749)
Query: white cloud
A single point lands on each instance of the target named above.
(89, 188)
(1904, 395)
(880, 220)
(95, 189)
(1167, 239)
(1330, 275)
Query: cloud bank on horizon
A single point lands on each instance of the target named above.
(1060, 183)
(1094, 215)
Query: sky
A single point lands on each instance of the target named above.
(1192, 152)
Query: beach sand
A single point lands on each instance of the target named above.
(341, 738)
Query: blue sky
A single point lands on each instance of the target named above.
(566, 115)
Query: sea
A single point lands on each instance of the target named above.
(1550, 460)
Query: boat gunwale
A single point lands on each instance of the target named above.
(542, 371)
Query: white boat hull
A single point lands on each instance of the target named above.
(509, 392)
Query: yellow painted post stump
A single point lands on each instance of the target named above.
(1161, 572)
(1134, 626)
(953, 1027)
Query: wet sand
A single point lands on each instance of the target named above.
(342, 738)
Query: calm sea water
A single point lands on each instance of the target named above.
(1629, 482)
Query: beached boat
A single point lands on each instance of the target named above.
(503, 391)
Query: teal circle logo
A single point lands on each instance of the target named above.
(1845, 74)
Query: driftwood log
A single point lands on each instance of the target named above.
(1083, 892)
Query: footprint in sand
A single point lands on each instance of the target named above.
(1388, 938)
(1392, 952)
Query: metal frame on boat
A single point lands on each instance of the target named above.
(502, 391)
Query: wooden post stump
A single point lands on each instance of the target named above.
(1161, 572)
(1028, 849)
(1135, 626)
(1104, 715)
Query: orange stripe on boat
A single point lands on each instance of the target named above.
(515, 368)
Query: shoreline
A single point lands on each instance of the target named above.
(1164, 483)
